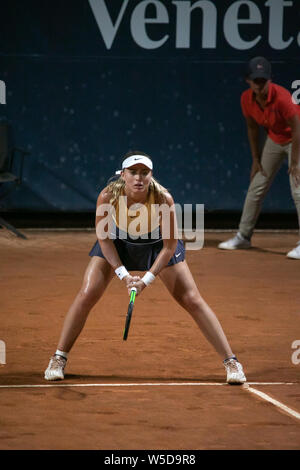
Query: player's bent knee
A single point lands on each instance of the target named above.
(89, 296)
(191, 301)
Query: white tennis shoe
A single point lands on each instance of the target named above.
(55, 369)
(235, 243)
(295, 253)
(235, 373)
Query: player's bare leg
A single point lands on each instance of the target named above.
(180, 283)
(97, 277)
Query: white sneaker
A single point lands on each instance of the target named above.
(55, 369)
(235, 243)
(295, 253)
(235, 373)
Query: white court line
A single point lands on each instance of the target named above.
(246, 386)
(150, 384)
(272, 383)
(274, 402)
(142, 384)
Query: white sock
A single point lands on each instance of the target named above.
(61, 353)
(230, 357)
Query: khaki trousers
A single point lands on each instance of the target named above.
(273, 156)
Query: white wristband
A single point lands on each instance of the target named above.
(148, 278)
(121, 272)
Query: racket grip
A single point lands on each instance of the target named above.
(133, 292)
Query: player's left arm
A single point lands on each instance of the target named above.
(168, 226)
(294, 167)
(169, 233)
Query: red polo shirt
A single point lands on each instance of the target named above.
(278, 110)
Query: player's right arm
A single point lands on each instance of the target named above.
(104, 224)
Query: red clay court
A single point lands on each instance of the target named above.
(164, 388)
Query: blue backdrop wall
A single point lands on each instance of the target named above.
(85, 81)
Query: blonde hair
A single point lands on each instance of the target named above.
(116, 188)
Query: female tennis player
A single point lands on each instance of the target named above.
(137, 231)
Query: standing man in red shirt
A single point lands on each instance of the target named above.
(271, 106)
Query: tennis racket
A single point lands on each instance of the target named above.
(129, 313)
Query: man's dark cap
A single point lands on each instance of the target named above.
(259, 67)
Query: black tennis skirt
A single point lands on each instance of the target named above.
(140, 256)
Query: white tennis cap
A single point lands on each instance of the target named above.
(134, 160)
